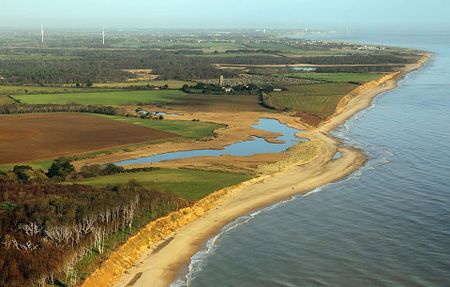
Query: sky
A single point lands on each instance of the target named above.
(205, 14)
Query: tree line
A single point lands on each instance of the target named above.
(16, 108)
(315, 60)
(46, 228)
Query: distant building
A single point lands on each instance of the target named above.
(221, 81)
(304, 69)
(277, 90)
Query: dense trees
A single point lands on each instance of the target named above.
(46, 228)
(88, 66)
(62, 223)
(319, 60)
(99, 170)
(60, 169)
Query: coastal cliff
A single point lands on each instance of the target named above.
(154, 234)
(363, 88)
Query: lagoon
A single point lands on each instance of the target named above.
(246, 148)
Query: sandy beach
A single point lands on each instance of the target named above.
(159, 266)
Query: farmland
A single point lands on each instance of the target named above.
(187, 184)
(336, 77)
(320, 99)
(34, 137)
(185, 129)
(223, 103)
(18, 90)
(104, 98)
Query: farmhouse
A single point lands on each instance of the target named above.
(228, 89)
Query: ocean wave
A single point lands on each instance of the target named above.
(314, 191)
(199, 260)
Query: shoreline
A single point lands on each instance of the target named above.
(159, 267)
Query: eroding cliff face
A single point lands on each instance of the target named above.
(363, 88)
(160, 229)
(153, 234)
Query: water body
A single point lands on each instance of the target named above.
(386, 225)
(246, 148)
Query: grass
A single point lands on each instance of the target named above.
(105, 98)
(187, 184)
(229, 55)
(19, 90)
(336, 77)
(43, 165)
(5, 100)
(320, 99)
(186, 129)
(165, 44)
(217, 103)
(173, 84)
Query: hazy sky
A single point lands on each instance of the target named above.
(227, 13)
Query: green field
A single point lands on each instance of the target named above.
(43, 165)
(19, 90)
(336, 77)
(104, 98)
(237, 54)
(188, 184)
(320, 99)
(178, 44)
(186, 129)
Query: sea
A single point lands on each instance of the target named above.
(388, 224)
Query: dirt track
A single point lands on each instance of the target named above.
(34, 137)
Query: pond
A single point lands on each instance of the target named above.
(245, 148)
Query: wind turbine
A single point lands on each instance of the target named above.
(42, 33)
(103, 36)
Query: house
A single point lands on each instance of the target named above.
(228, 90)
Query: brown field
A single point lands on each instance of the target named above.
(217, 103)
(25, 138)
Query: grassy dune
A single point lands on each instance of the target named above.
(104, 98)
(187, 184)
